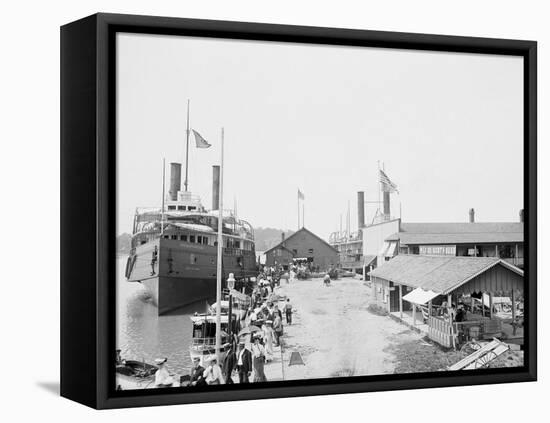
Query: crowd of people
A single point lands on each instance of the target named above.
(262, 330)
(263, 324)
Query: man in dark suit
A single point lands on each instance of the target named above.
(244, 363)
(197, 378)
(229, 363)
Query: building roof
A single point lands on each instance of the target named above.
(280, 244)
(438, 274)
(458, 233)
(368, 259)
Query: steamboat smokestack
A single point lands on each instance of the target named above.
(472, 215)
(175, 180)
(386, 204)
(360, 210)
(215, 187)
(521, 216)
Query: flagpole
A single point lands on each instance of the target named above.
(379, 186)
(219, 267)
(187, 148)
(303, 214)
(298, 209)
(163, 194)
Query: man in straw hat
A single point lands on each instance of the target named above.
(213, 373)
(162, 377)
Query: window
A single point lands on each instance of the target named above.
(506, 251)
(191, 208)
(295, 251)
(183, 237)
(174, 237)
(166, 237)
(191, 238)
(171, 207)
(199, 239)
(181, 207)
(310, 251)
(205, 240)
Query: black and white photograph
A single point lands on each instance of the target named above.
(289, 211)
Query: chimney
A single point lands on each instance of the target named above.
(175, 180)
(387, 204)
(215, 187)
(521, 216)
(282, 237)
(472, 215)
(360, 210)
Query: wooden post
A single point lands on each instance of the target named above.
(414, 314)
(516, 259)
(490, 305)
(496, 250)
(400, 302)
(513, 312)
(482, 305)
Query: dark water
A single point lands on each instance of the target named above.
(143, 335)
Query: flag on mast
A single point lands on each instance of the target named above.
(200, 141)
(387, 184)
(300, 195)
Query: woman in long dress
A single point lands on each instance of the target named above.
(258, 356)
(268, 339)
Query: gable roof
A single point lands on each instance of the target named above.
(439, 274)
(280, 244)
(458, 233)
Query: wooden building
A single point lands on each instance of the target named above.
(303, 246)
(412, 287)
(471, 239)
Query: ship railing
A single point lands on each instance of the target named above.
(199, 342)
(204, 343)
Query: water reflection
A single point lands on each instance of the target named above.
(143, 335)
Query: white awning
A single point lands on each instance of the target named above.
(391, 249)
(419, 296)
(384, 248)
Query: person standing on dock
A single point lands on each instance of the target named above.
(278, 328)
(288, 311)
(229, 363)
(268, 339)
(244, 363)
(258, 353)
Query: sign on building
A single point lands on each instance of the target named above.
(437, 250)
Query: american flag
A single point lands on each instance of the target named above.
(387, 184)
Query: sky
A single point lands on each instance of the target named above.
(447, 127)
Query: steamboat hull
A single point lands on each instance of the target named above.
(171, 293)
(178, 274)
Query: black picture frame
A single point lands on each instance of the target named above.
(88, 207)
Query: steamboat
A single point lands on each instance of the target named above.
(174, 247)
